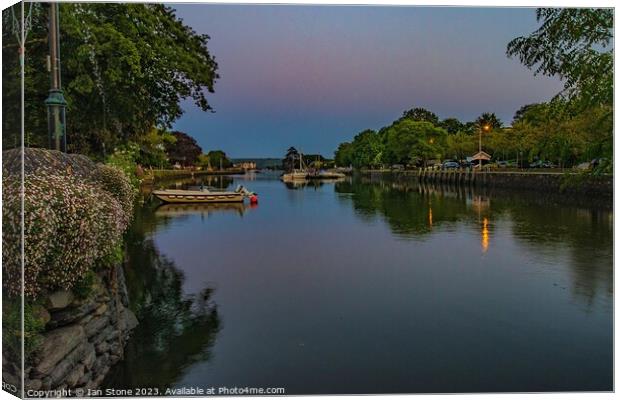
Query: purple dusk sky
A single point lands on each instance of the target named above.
(314, 76)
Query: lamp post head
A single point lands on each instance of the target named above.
(56, 124)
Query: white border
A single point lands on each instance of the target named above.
(478, 3)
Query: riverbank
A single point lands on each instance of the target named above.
(578, 184)
(76, 315)
(152, 175)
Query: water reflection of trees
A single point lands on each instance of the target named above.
(304, 184)
(410, 210)
(175, 330)
(585, 233)
(544, 225)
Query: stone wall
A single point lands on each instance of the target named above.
(573, 184)
(82, 338)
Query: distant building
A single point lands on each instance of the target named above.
(246, 165)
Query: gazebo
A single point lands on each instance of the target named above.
(481, 157)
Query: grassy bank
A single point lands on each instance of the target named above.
(162, 174)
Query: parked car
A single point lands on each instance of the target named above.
(583, 166)
(450, 164)
(542, 164)
(507, 164)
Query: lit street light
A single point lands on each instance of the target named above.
(486, 128)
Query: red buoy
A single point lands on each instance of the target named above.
(254, 199)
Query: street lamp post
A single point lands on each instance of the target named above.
(55, 101)
(486, 128)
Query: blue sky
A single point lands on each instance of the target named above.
(314, 76)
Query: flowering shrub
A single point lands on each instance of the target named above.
(70, 224)
(115, 182)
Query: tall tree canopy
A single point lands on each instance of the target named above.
(218, 159)
(125, 69)
(183, 150)
(367, 149)
(452, 125)
(291, 160)
(421, 114)
(344, 155)
(413, 142)
(576, 45)
(490, 120)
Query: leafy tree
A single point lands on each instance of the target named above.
(500, 143)
(470, 127)
(452, 125)
(367, 149)
(574, 44)
(184, 150)
(421, 114)
(489, 119)
(291, 159)
(125, 69)
(414, 142)
(344, 154)
(153, 148)
(218, 159)
(460, 145)
(522, 111)
(204, 162)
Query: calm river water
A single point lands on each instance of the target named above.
(368, 286)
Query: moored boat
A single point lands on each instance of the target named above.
(295, 176)
(197, 196)
(203, 196)
(327, 175)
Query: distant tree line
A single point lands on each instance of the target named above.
(575, 126)
(415, 138)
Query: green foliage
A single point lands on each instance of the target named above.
(421, 114)
(414, 142)
(367, 149)
(490, 120)
(84, 287)
(12, 329)
(124, 159)
(576, 45)
(554, 131)
(452, 125)
(460, 145)
(344, 155)
(153, 148)
(184, 150)
(125, 69)
(217, 159)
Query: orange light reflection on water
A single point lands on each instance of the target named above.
(485, 235)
